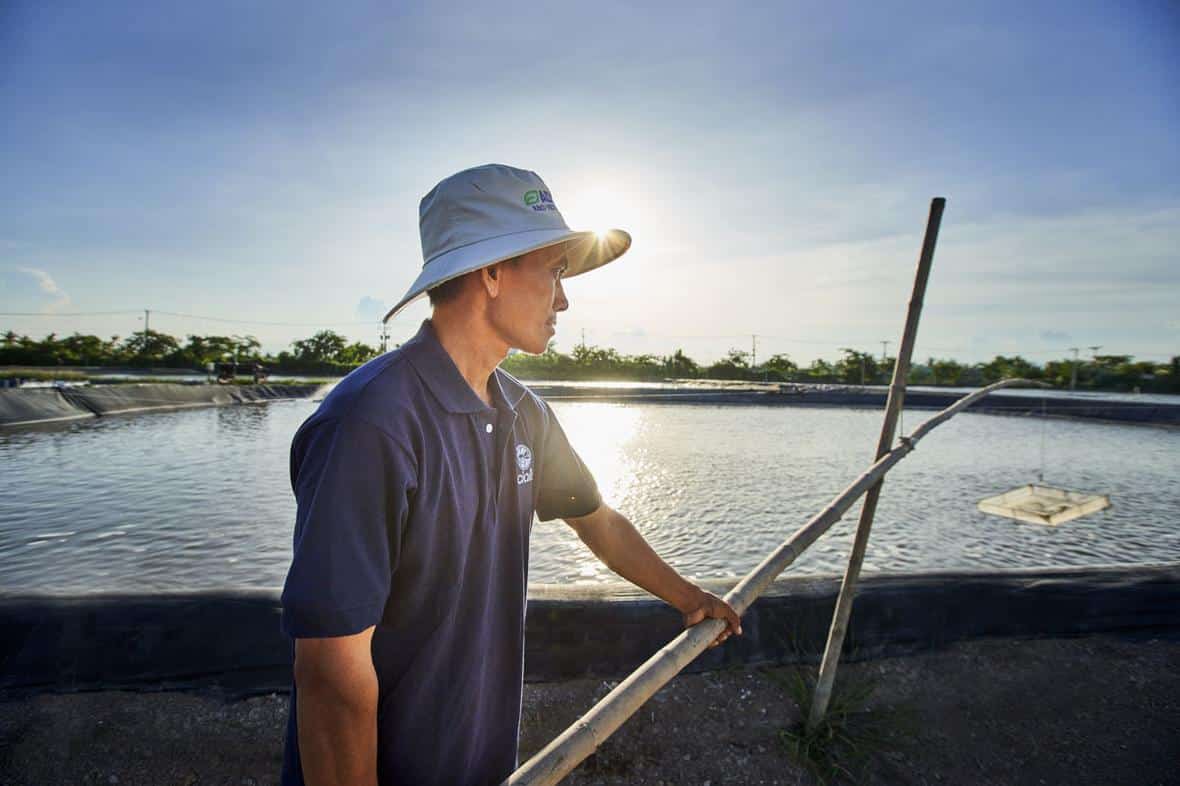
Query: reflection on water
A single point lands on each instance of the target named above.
(200, 499)
(605, 436)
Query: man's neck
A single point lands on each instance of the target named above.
(474, 348)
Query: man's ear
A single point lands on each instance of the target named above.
(490, 278)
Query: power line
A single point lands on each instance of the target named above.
(184, 316)
(371, 323)
(66, 313)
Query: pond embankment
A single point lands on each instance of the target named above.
(1116, 408)
(1017, 678)
(30, 406)
(27, 406)
(231, 641)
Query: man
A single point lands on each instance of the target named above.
(417, 480)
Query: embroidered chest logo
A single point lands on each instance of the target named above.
(524, 464)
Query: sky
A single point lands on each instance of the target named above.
(263, 162)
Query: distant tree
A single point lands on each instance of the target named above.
(947, 372)
(779, 368)
(87, 350)
(1056, 372)
(595, 358)
(1112, 361)
(820, 370)
(324, 347)
(641, 367)
(1002, 367)
(856, 367)
(921, 374)
(19, 350)
(149, 347)
(246, 347)
(356, 353)
(201, 350)
(680, 366)
(735, 365)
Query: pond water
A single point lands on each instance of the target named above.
(200, 499)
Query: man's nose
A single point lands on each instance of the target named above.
(560, 302)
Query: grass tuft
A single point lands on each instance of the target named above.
(841, 746)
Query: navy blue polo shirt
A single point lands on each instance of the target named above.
(415, 501)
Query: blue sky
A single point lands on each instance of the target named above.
(264, 161)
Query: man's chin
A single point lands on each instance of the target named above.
(536, 346)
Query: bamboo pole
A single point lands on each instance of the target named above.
(559, 757)
(901, 371)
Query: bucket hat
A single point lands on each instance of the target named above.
(491, 213)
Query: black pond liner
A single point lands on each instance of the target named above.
(28, 406)
(231, 643)
(32, 406)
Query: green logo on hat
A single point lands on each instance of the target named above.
(539, 199)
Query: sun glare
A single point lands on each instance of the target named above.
(595, 208)
(601, 433)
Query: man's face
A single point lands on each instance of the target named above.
(531, 295)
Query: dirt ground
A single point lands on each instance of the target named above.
(1096, 710)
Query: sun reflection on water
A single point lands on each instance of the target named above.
(603, 435)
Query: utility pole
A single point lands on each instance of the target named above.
(753, 351)
(1073, 372)
(1094, 351)
(384, 337)
(884, 350)
(147, 316)
(583, 339)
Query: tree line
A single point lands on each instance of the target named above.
(1103, 372)
(328, 352)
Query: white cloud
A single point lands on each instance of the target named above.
(49, 287)
(370, 309)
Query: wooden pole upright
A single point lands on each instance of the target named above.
(896, 400)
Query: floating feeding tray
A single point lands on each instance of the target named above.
(1044, 504)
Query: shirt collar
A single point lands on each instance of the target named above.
(436, 368)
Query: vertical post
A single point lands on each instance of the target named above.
(147, 316)
(831, 659)
(1073, 371)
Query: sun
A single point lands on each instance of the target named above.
(595, 208)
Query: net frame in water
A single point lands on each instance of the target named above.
(1040, 504)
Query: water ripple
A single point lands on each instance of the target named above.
(200, 499)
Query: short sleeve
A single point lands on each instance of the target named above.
(352, 485)
(566, 489)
